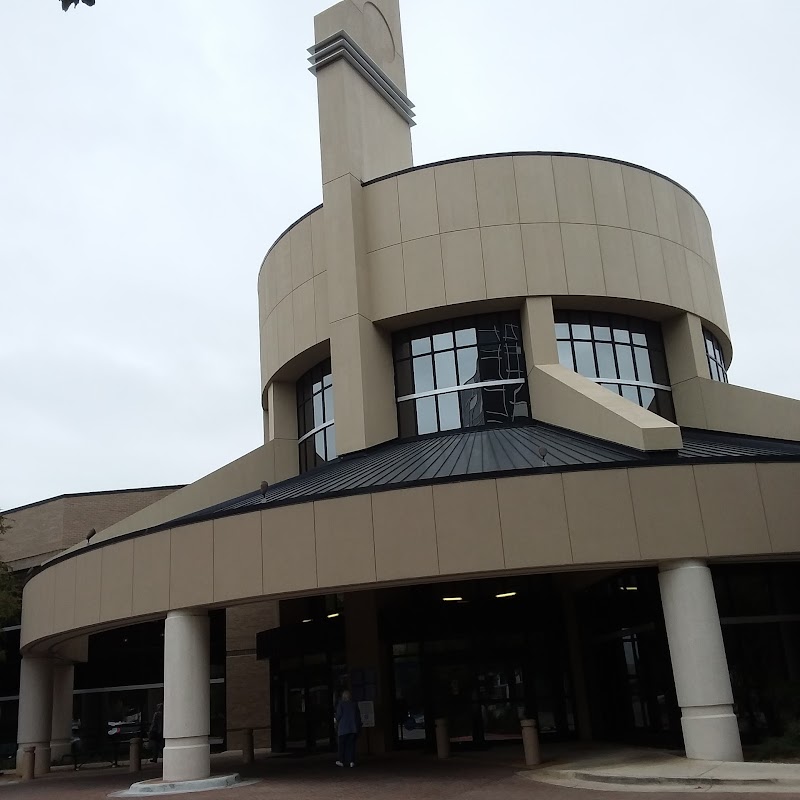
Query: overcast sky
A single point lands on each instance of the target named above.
(152, 150)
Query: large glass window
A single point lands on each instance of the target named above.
(315, 417)
(460, 374)
(716, 361)
(623, 354)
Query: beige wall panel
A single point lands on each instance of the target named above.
(497, 191)
(733, 514)
(268, 279)
(284, 314)
(242, 475)
(87, 588)
(704, 234)
(116, 583)
(536, 189)
(286, 459)
(382, 214)
(462, 259)
(151, 557)
(64, 578)
(300, 249)
(689, 406)
(280, 261)
(380, 412)
(318, 241)
(600, 515)
(716, 302)
(456, 196)
(619, 264)
(780, 492)
(419, 215)
(237, 557)
(504, 265)
(38, 607)
(191, 568)
(269, 348)
(582, 259)
(304, 316)
(544, 258)
(387, 282)
(653, 284)
(323, 324)
(680, 290)
(697, 281)
(734, 408)
(468, 527)
(686, 220)
(639, 196)
(290, 562)
(282, 405)
(345, 544)
(608, 191)
(533, 518)
(666, 209)
(683, 342)
(573, 189)
(405, 534)
(424, 274)
(539, 332)
(667, 513)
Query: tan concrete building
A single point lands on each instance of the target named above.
(504, 473)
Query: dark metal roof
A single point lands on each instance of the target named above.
(492, 452)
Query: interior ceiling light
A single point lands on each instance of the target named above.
(452, 599)
(335, 614)
(506, 594)
(629, 588)
(307, 620)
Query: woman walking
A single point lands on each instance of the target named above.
(348, 726)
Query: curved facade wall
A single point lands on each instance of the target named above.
(479, 527)
(500, 228)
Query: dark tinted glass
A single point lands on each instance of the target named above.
(626, 349)
(716, 360)
(454, 354)
(315, 408)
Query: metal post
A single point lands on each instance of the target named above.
(442, 738)
(28, 762)
(530, 741)
(135, 759)
(248, 747)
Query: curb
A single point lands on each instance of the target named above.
(157, 787)
(634, 780)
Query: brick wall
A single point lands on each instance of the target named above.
(247, 680)
(42, 529)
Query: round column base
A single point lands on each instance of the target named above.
(711, 733)
(59, 749)
(42, 763)
(187, 759)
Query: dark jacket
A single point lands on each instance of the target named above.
(157, 726)
(348, 717)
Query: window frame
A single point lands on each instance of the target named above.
(715, 357)
(306, 395)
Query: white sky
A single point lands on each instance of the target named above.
(152, 150)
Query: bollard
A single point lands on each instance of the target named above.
(442, 738)
(248, 748)
(28, 762)
(135, 758)
(530, 741)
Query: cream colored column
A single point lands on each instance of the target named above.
(282, 427)
(61, 727)
(362, 136)
(699, 666)
(35, 710)
(187, 695)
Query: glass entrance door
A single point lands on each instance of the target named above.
(309, 708)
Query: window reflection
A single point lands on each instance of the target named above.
(623, 354)
(315, 427)
(463, 356)
(716, 361)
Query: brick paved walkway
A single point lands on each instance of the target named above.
(399, 777)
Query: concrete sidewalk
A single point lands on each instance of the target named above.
(642, 770)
